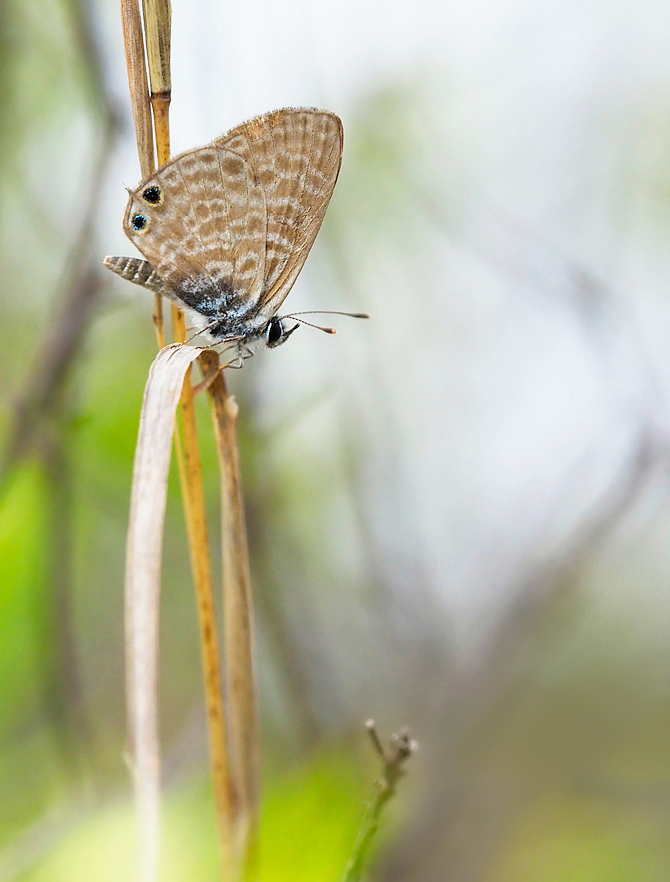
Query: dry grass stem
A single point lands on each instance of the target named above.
(157, 29)
(196, 525)
(243, 724)
(159, 323)
(142, 586)
(138, 85)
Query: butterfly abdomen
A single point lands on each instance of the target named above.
(140, 272)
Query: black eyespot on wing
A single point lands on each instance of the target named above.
(152, 195)
(139, 222)
(274, 332)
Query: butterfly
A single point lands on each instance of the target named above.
(226, 228)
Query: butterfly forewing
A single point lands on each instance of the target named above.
(315, 171)
(238, 217)
(297, 156)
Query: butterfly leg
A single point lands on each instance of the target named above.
(237, 362)
(243, 352)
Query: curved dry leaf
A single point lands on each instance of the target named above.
(142, 585)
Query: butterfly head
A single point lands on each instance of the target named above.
(276, 333)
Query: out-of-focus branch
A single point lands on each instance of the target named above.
(60, 681)
(393, 768)
(43, 389)
(38, 417)
(41, 395)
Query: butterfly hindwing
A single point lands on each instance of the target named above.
(208, 224)
(296, 154)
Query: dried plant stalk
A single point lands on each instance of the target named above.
(138, 85)
(157, 28)
(243, 724)
(196, 524)
(139, 99)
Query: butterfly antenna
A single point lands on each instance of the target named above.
(309, 324)
(361, 315)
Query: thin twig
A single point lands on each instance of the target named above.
(393, 769)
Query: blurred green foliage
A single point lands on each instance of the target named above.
(309, 823)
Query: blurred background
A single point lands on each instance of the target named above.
(458, 511)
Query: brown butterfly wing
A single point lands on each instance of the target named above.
(241, 213)
(296, 155)
(207, 229)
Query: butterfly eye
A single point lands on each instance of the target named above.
(274, 332)
(152, 195)
(139, 222)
